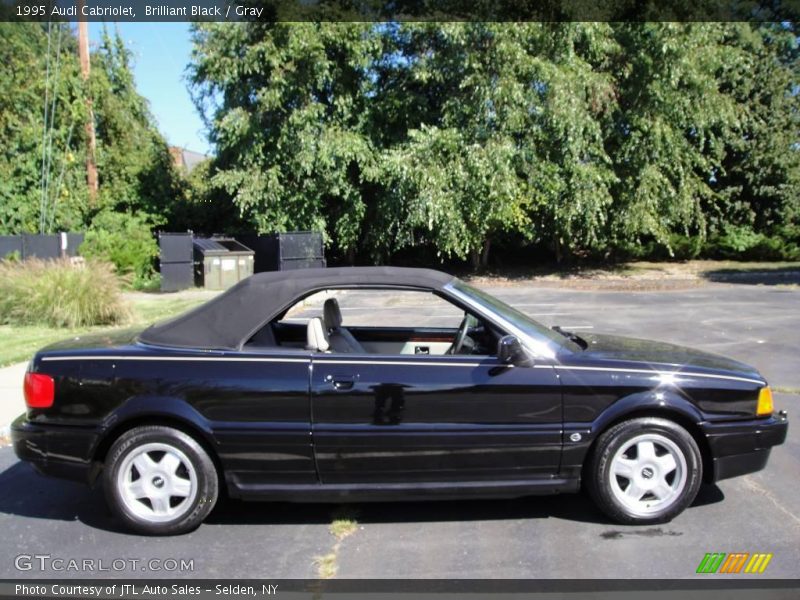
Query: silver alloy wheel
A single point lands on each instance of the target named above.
(157, 482)
(648, 474)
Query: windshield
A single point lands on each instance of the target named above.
(542, 335)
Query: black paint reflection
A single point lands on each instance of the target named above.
(389, 403)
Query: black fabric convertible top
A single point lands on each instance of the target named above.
(228, 321)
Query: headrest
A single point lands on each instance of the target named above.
(317, 337)
(331, 313)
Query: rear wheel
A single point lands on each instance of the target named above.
(159, 480)
(645, 471)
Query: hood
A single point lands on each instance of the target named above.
(612, 347)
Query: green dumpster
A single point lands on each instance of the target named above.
(221, 262)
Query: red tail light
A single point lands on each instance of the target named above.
(40, 390)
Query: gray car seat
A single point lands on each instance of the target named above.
(341, 340)
(317, 336)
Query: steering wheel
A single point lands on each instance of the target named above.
(466, 323)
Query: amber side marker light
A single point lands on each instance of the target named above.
(764, 406)
(39, 390)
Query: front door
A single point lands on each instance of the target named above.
(425, 418)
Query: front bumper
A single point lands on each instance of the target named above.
(57, 451)
(742, 447)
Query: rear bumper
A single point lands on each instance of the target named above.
(742, 447)
(57, 451)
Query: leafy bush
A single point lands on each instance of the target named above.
(126, 241)
(742, 243)
(60, 294)
(677, 247)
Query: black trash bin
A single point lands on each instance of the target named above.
(286, 251)
(176, 260)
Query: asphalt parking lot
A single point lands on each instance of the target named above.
(543, 537)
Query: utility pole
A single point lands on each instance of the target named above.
(91, 143)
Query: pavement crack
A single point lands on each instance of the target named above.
(657, 532)
(343, 524)
(757, 487)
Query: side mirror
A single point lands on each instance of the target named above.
(511, 352)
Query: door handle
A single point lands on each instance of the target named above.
(341, 382)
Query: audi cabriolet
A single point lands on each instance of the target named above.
(381, 383)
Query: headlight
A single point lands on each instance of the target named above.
(764, 406)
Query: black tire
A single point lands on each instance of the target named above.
(669, 438)
(199, 470)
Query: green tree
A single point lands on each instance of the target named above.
(204, 207)
(590, 139)
(758, 181)
(666, 138)
(456, 172)
(134, 164)
(40, 179)
(42, 162)
(286, 107)
(573, 97)
(502, 133)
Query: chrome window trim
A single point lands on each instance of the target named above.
(539, 349)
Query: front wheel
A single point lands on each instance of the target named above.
(645, 471)
(159, 480)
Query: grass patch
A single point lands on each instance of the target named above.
(342, 527)
(642, 268)
(57, 293)
(20, 343)
(739, 266)
(326, 565)
(647, 275)
(343, 524)
(151, 309)
(786, 390)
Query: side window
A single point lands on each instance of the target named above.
(290, 330)
(396, 309)
(378, 308)
(308, 307)
(379, 321)
(386, 322)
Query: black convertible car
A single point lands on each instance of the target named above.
(441, 392)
